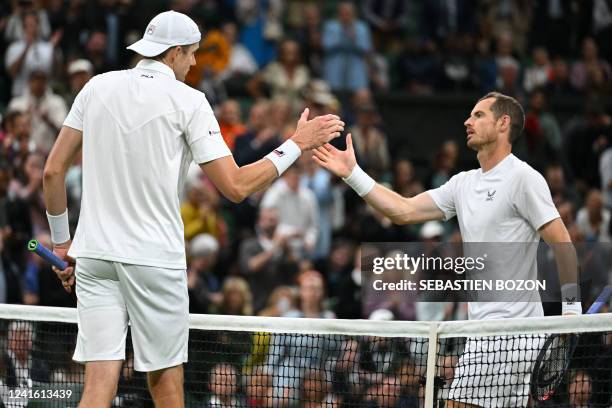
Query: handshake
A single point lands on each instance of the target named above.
(315, 135)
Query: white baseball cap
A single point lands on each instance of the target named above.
(166, 30)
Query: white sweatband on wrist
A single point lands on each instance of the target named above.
(360, 181)
(570, 299)
(284, 155)
(60, 232)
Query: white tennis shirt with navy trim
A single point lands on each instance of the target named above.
(507, 204)
(141, 130)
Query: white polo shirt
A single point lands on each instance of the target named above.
(141, 130)
(507, 204)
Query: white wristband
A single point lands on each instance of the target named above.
(570, 299)
(60, 232)
(284, 155)
(360, 181)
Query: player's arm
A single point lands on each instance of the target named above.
(400, 210)
(63, 154)
(557, 237)
(237, 183)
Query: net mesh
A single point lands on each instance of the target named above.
(267, 362)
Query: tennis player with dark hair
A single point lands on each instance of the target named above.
(505, 200)
(139, 130)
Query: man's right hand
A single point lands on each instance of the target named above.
(316, 132)
(339, 162)
(67, 275)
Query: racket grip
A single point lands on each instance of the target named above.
(601, 300)
(46, 254)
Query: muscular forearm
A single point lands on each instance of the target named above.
(54, 189)
(390, 204)
(254, 177)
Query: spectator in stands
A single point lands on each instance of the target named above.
(261, 28)
(237, 297)
(282, 299)
(79, 72)
(28, 187)
(315, 390)
(267, 259)
(560, 190)
(241, 65)
(444, 164)
(259, 139)
(539, 73)
(258, 388)
(15, 28)
(443, 19)
(347, 44)
(297, 211)
(542, 132)
(285, 78)
(457, 64)
(552, 26)
(371, 142)
(605, 173)
(405, 181)
(339, 265)
(224, 389)
(292, 354)
(15, 232)
(580, 389)
(419, 66)
(29, 54)
(47, 110)
(386, 20)
(201, 212)
(318, 180)
(559, 83)
(591, 73)
(510, 16)
(310, 39)
(230, 122)
(586, 138)
(21, 368)
(281, 117)
(593, 219)
(508, 71)
(202, 283)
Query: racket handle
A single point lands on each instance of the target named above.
(601, 300)
(46, 254)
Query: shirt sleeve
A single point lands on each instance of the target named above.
(533, 199)
(203, 136)
(76, 115)
(444, 197)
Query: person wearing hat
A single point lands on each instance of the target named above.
(79, 72)
(139, 129)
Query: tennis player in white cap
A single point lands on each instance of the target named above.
(139, 130)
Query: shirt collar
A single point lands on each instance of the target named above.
(157, 66)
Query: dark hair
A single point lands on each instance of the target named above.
(507, 105)
(163, 55)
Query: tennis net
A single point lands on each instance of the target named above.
(283, 362)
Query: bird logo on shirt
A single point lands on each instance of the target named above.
(490, 195)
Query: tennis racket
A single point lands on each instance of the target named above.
(556, 354)
(46, 254)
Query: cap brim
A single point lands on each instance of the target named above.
(148, 48)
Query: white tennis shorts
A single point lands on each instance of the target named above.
(153, 300)
(496, 372)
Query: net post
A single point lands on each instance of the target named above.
(432, 355)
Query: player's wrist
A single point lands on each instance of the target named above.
(285, 155)
(570, 299)
(59, 227)
(359, 181)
